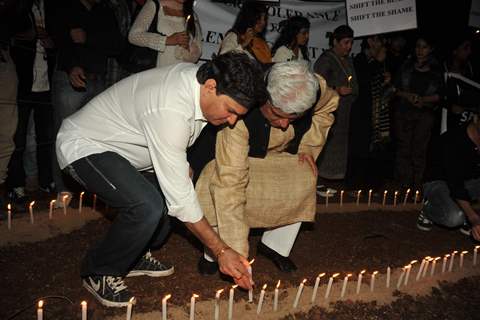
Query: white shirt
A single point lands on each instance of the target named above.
(285, 54)
(149, 118)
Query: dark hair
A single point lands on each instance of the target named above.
(237, 77)
(289, 29)
(339, 33)
(248, 16)
(188, 11)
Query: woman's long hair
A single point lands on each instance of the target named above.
(188, 11)
(248, 16)
(289, 29)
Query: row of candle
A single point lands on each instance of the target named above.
(403, 279)
(384, 200)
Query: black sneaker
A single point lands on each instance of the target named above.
(110, 291)
(423, 223)
(207, 268)
(284, 264)
(18, 199)
(466, 229)
(149, 266)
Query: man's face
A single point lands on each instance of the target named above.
(276, 117)
(219, 109)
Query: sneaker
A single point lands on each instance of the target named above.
(18, 198)
(59, 201)
(466, 229)
(423, 223)
(322, 191)
(149, 266)
(110, 291)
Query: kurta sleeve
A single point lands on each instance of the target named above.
(139, 34)
(230, 43)
(228, 186)
(322, 119)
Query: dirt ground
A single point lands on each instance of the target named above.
(343, 242)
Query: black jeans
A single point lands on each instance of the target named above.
(142, 221)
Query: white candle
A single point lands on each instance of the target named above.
(275, 297)
(463, 253)
(250, 292)
(50, 210)
(359, 281)
(372, 281)
(400, 279)
(94, 202)
(341, 198)
(444, 264)
(186, 21)
(129, 308)
(389, 271)
(359, 192)
(369, 197)
(425, 268)
(384, 201)
(80, 202)
(415, 200)
(192, 306)
(315, 287)
(450, 266)
(9, 217)
(217, 304)
(64, 200)
(84, 310)
(420, 270)
(326, 198)
(475, 255)
(344, 286)
(395, 195)
(260, 300)
(231, 294)
(406, 197)
(30, 209)
(299, 293)
(40, 310)
(164, 306)
(434, 264)
(329, 286)
(407, 274)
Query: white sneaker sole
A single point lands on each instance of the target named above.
(103, 301)
(148, 273)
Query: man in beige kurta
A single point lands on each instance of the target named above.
(238, 191)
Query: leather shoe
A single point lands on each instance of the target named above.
(206, 267)
(284, 264)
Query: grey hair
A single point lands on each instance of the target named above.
(292, 86)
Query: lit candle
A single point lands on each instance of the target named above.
(415, 200)
(250, 292)
(315, 287)
(9, 218)
(400, 279)
(444, 264)
(389, 271)
(341, 198)
(275, 297)
(369, 197)
(164, 306)
(64, 200)
(30, 209)
(344, 286)
(130, 306)
(217, 304)
(94, 202)
(395, 195)
(84, 310)
(407, 274)
(231, 293)
(329, 286)
(406, 197)
(186, 21)
(50, 210)
(349, 80)
(450, 266)
(359, 192)
(80, 202)
(260, 300)
(434, 264)
(384, 201)
(372, 281)
(425, 268)
(461, 258)
(326, 198)
(192, 306)
(359, 281)
(299, 293)
(420, 270)
(475, 255)
(40, 310)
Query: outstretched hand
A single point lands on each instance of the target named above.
(235, 265)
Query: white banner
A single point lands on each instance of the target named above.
(368, 17)
(217, 18)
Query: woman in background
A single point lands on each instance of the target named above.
(293, 39)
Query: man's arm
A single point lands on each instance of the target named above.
(472, 216)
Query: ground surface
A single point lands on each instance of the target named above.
(340, 242)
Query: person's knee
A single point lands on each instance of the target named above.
(455, 218)
(149, 211)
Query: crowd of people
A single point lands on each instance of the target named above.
(237, 142)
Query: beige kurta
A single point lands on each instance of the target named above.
(238, 192)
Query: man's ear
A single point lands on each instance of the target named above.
(211, 85)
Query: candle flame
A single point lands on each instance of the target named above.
(464, 252)
(348, 275)
(335, 275)
(408, 190)
(359, 191)
(447, 255)
(132, 299)
(83, 303)
(195, 296)
(341, 191)
(278, 284)
(9, 206)
(413, 261)
(321, 275)
(264, 286)
(52, 202)
(32, 203)
(437, 258)
(82, 193)
(455, 252)
(349, 78)
(64, 198)
(188, 18)
(385, 192)
(396, 192)
(477, 247)
(251, 261)
(374, 273)
(219, 291)
(168, 296)
(363, 271)
(234, 286)
(40, 304)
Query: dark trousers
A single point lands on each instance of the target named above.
(142, 220)
(39, 104)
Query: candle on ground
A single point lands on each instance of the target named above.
(164, 306)
(80, 202)
(369, 197)
(389, 271)
(384, 201)
(407, 273)
(425, 268)
(299, 293)
(64, 201)
(406, 197)
(30, 209)
(40, 310)
(434, 264)
(420, 270)
(217, 304)
(444, 264)
(475, 255)
(415, 200)
(326, 198)
(50, 209)
(94, 202)
(344, 286)
(9, 218)
(395, 196)
(462, 254)
(400, 279)
(315, 287)
(260, 300)
(275, 297)
(329, 286)
(372, 281)
(359, 193)
(450, 266)
(192, 306)
(84, 310)
(231, 294)
(250, 292)
(341, 198)
(130, 306)
(359, 281)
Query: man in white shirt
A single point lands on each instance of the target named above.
(145, 122)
